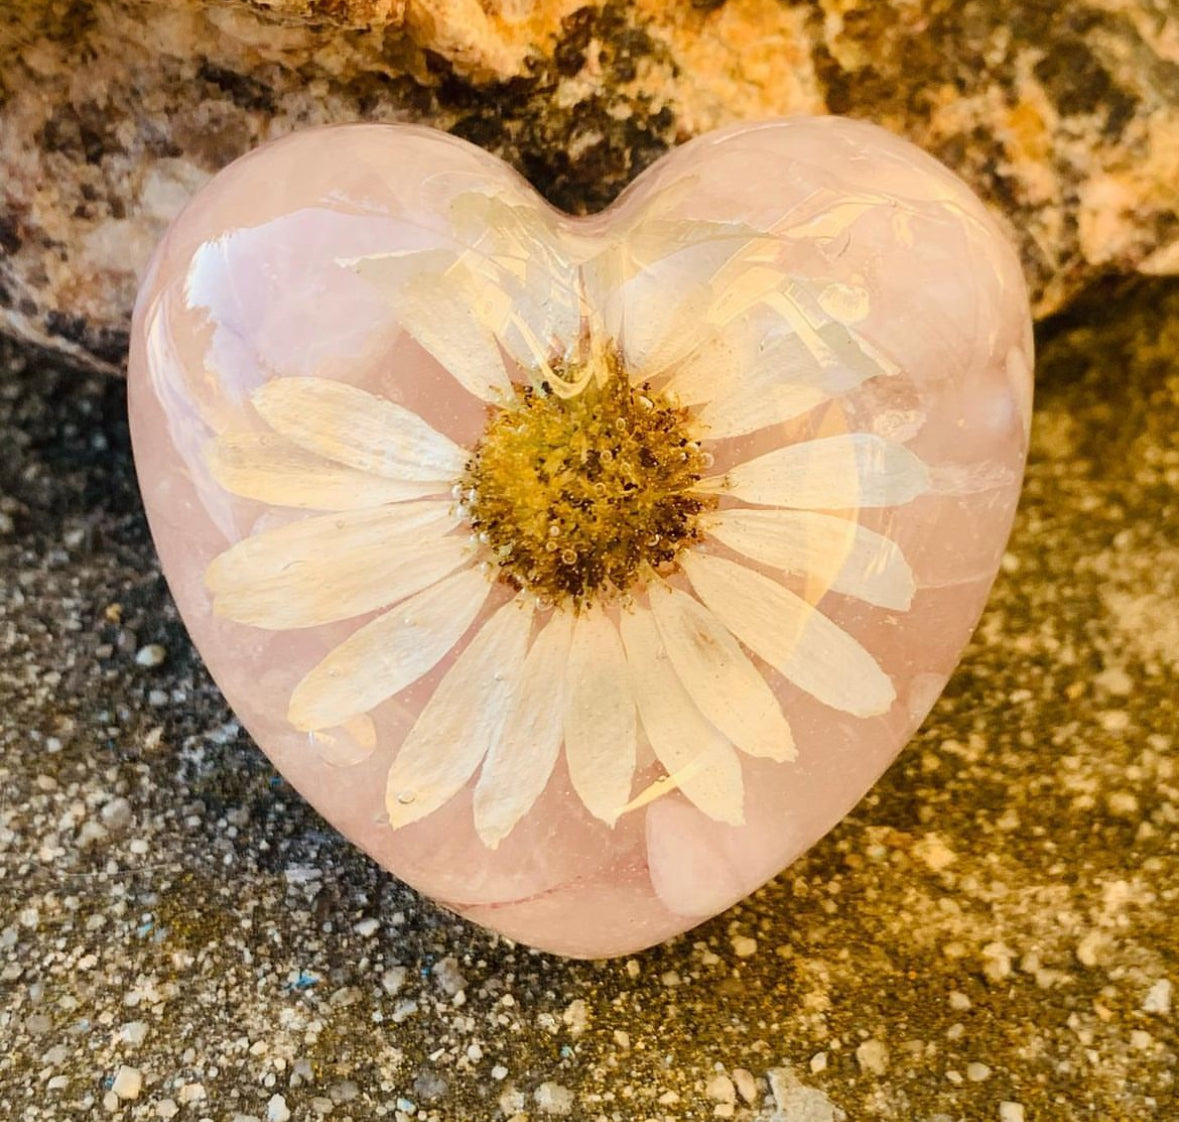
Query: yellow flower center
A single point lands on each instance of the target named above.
(578, 497)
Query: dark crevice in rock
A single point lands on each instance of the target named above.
(579, 159)
(10, 239)
(244, 91)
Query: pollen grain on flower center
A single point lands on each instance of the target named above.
(577, 497)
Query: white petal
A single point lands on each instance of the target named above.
(461, 720)
(347, 745)
(750, 354)
(699, 760)
(660, 327)
(746, 281)
(600, 721)
(335, 566)
(649, 286)
(727, 688)
(832, 473)
(517, 250)
(744, 278)
(448, 310)
(665, 313)
(750, 408)
(390, 653)
(834, 552)
(757, 370)
(270, 469)
(792, 636)
(831, 342)
(521, 759)
(751, 377)
(357, 428)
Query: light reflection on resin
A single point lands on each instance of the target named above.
(583, 571)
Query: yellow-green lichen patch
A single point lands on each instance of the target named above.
(577, 498)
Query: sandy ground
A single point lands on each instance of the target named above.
(993, 935)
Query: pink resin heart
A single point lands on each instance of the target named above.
(582, 571)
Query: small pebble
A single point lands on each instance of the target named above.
(576, 1017)
(976, 1072)
(746, 1085)
(277, 1109)
(959, 1001)
(91, 833)
(935, 853)
(1158, 998)
(345, 997)
(349, 1089)
(428, 1085)
(743, 946)
(797, 1102)
(1092, 947)
(872, 1056)
(1123, 804)
(1011, 1112)
(393, 980)
(134, 1032)
(191, 1093)
(552, 1098)
(512, 1102)
(116, 815)
(448, 976)
(403, 1010)
(150, 656)
(721, 1089)
(996, 962)
(1115, 680)
(128, 1083)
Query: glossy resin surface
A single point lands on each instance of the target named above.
(583, 571)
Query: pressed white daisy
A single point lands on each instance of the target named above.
(596, 585)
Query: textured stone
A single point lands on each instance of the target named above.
(1063, 117)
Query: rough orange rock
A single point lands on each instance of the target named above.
(1065, 118)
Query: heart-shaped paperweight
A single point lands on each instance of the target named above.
(584, 571)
